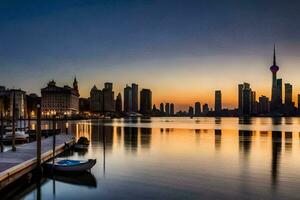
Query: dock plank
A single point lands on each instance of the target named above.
(23, 160)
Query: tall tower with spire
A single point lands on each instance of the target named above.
(75, 84)
(274, 69)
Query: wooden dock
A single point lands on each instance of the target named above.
(14, 165)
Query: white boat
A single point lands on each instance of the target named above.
(71, 165)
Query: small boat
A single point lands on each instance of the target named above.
(72, 165)
(82, 144)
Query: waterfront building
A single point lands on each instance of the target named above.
(20, 103)
(145, 101)
(218, 102)
(298, 101)
(288, 94)
(96, 100)
(32, 101)
(254, 103)
(108, 98)
(240, 99)
(197, 109)
(191, 111)
(134, 97)
(84, 105)
(172, 109)
(263, 105)
(167, 109)
(274, 96)
(60, 100)
(127, 99)
(119, 103)
(246, 100)
(205, 109)
(161, 108)
(279, 93)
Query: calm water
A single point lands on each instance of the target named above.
(182, 158)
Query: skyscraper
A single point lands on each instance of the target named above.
(205, 109)
(119, 103)
(172, 109)
(240, 100)
(246, 99)
(191, 111)
(161, 108)
(263, 105)
(298, 101)
(218, 102)
(197, 109)
(127, 99)
(288, 94)
(134, 97)
(274, 69)
(167, 109)
(96, 100)
(146, 101)
(108, 98)
(253, 103)
(279, 93)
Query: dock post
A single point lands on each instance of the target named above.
(13, 123)
(54, 126)
(38, 135)
(2, 131)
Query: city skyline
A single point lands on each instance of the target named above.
(188, 46)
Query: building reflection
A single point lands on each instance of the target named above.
(146, 137)
(245, 120)
(276, 120)
(276, 153)
(288, 141)
(131, 138)
(218, 135)
(245, 141)
(218, 120)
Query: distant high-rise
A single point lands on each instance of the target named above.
(108, 85)
(197, 108)
(145, 101)
(246, 99)
(96, 100)
(263, 105)
(108, 98)
(119, 103)
(288, 94)
(161, 108)
(127, 99)
(279, 93)
(167, 109)
(240, 100)
(172, 109)
(298, 101)
(218, 101)
(274, 69)
(191, 111)
(253, 103)
(205, 109)
(134, 97)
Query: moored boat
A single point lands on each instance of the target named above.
(71, 165)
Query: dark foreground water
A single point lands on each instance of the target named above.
(169, 158)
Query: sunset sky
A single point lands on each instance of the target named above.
(181, 50)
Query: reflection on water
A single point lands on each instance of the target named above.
(158, 159)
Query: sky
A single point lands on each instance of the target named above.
(182, 50)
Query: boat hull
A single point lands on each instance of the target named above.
(81, 167)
